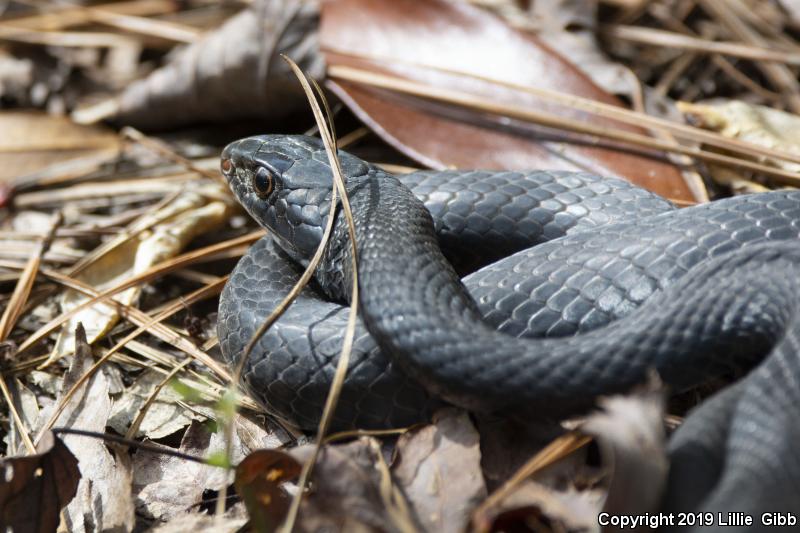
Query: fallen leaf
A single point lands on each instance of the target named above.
(439, 468)
(408, 38)
(28, 408)
(350, 491)
(560, 489)
(507, 444)
(232, 73)
(560, 496)
(792, 8)
(258, 482)
(257, 436)
(630, 433)
(536, 507)
(760, 125)
(165, 415)
(201, 522)
(569, 27)
(32, 140)
(174, 225)
(159, 481)
(35, 488)
(103, 499)
(16, 76)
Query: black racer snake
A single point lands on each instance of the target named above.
(621, 284)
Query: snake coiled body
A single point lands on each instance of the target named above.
(479, 216)
(713, 307)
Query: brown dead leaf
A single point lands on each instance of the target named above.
(231, 73)
(439, 469)
(35, 488)
(405, 36)
(258, 482)
(559, 489)
(32, 141)
(507, 444)
(559, 496)
(349, 491)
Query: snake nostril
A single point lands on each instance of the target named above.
(226, 166)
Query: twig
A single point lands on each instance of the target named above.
(347, 344)
(161, 450)
(161, 148)
(668, 39)
(618, 113)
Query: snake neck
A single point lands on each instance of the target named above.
(396, 242)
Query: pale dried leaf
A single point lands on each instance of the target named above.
(630, 433)
(49, 383)
(201, 522)
(751, 123)
(192, 213)
(561, 496)
(103, 500)
(439, 469)
(16, 76)
(570, 493)
(32, 221)
(569, 27)
(792, 7)
(534, 504)
(160, 481)
(164, 416)
(256, 437)
(234, 72)
(32, 141)
(28, 408)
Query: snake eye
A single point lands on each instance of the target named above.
(262, 182)
(227, 166)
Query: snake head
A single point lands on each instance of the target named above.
(285, 182)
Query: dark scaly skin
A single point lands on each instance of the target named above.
(729, 313)
(476, 218)
(482, 216)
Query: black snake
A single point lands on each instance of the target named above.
(735, 307)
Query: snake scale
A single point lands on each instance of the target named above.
(623, 284)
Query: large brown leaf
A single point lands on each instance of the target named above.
(406, 34)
